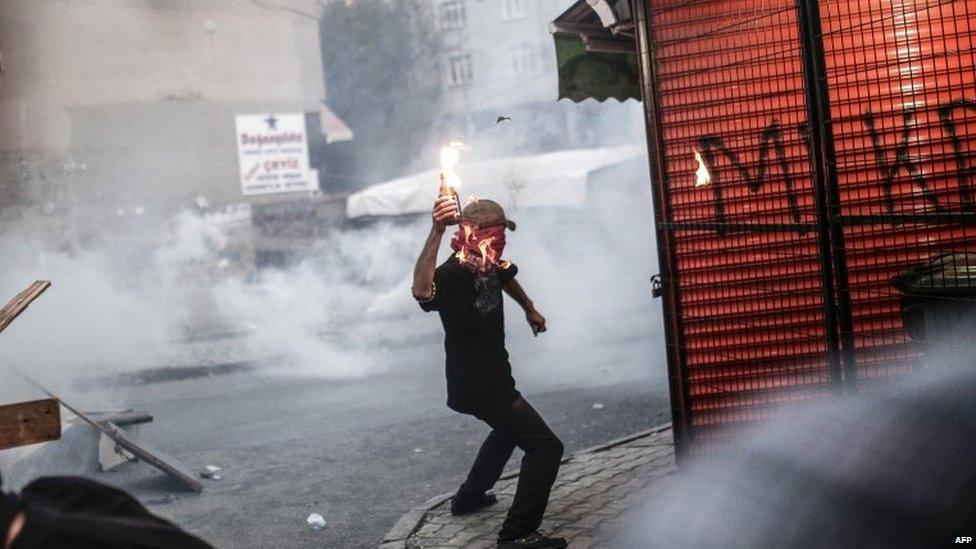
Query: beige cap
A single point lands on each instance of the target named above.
(486, 213)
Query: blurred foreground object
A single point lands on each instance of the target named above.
(879, 470)
(63, 512)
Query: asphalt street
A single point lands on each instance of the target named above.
(362, 451)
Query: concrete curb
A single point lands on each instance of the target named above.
(397, 537)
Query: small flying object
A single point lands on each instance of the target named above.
(502, 118)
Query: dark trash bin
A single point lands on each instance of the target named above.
(939, 303)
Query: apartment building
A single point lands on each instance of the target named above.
(499, 60)
(128, 107)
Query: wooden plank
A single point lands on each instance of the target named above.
(26, 423)
(17, 305)
(162, 461)
(153, 456)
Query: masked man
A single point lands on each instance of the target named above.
(466, 291)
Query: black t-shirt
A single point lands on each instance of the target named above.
(479, 377)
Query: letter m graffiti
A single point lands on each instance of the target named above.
(713, 147)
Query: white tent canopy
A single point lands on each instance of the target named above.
(555, 179)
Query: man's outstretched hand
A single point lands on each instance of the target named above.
(444, 212)
(536, 321)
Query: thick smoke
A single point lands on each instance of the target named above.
(121, 306)
(125, 303)
(143, 279)
(891, 467)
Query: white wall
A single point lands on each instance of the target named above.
(147, 89)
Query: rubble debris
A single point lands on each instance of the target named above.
(315, 521)
(597, 406)
(211, 472)
(110, 454)
(139, 448)
(153, 456)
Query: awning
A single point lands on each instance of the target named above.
(555, 179)
(333, 128)
(596, 53)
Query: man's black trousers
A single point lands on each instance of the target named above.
(517, 424)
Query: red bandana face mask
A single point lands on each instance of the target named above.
(480, 247)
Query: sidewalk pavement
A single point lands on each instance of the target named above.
(594, 489)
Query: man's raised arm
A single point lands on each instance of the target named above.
(442, 215)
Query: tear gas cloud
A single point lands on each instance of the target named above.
(143, 279)
(889, 467)
(133, 301)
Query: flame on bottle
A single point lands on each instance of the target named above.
(702, 177)
(450, 158)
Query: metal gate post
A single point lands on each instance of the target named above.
(680, 413)
(837, 299)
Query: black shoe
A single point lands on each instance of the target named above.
(466, 507)
(535, 540)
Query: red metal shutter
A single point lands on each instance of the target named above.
(748, 254)
(731, 87)
(900, 76)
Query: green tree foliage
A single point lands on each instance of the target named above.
(382, 78)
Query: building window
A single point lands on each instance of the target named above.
(452, 15)
(459, 70)
(523, 59)
(513, 9)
